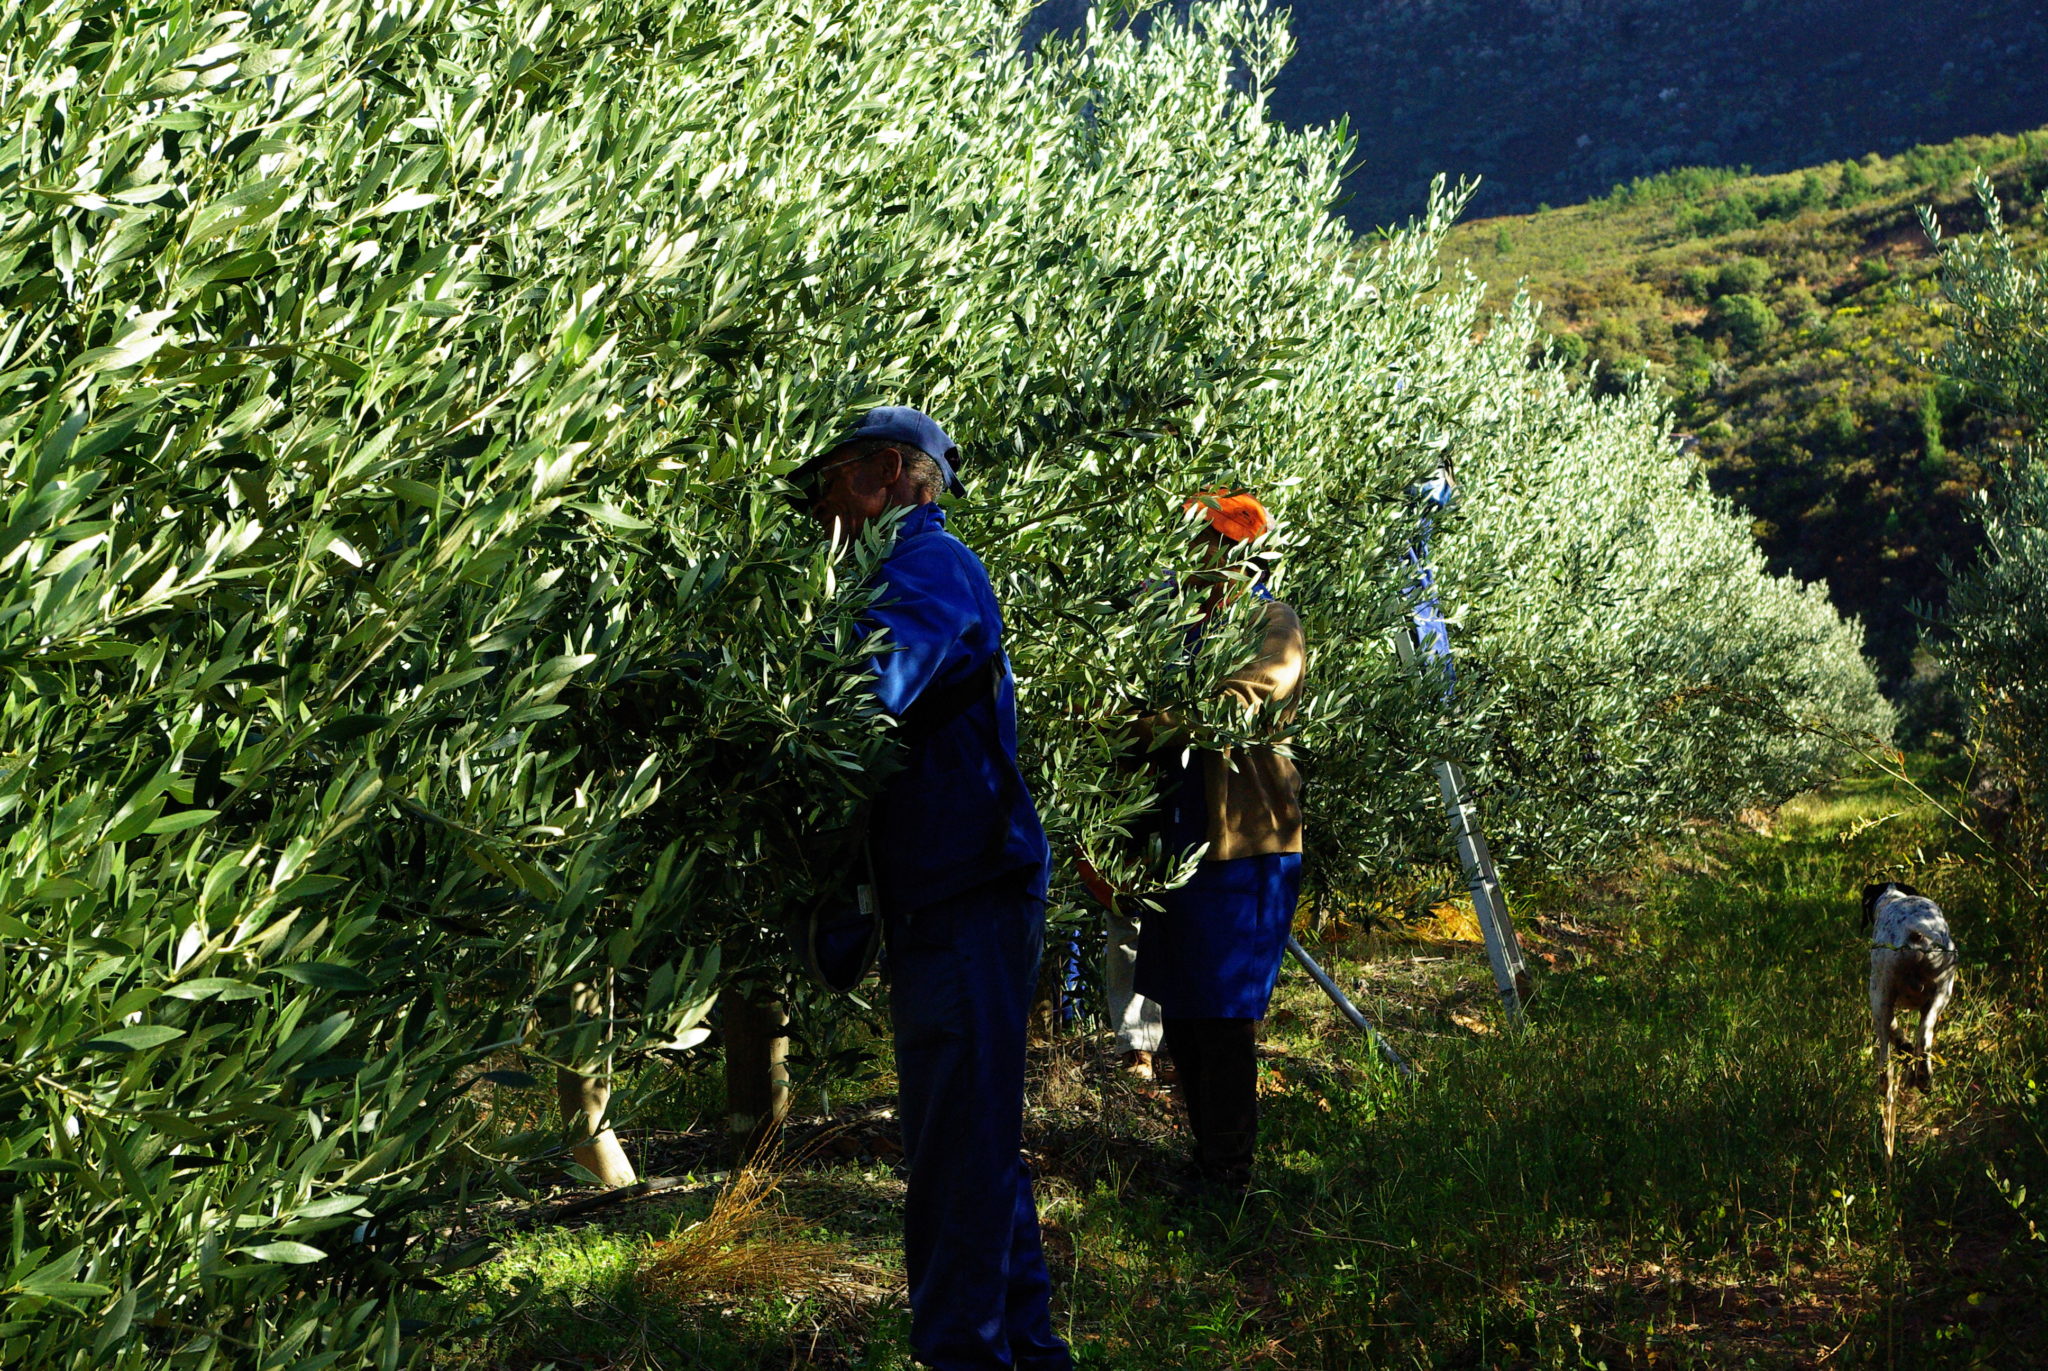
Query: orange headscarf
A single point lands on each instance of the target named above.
(1239, 516)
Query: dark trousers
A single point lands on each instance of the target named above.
(1216, 1062)
(961, 978)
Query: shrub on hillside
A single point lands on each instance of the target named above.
(1742, 276)
(1746, 319)
(1680, 185)
(1729, 213)
(1998, 616)
(1854, 186)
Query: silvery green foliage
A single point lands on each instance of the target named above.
(1997, 618)
(1997, 305)
(403, 624)
(1637, 664)
(1998, 639)
(307, 556)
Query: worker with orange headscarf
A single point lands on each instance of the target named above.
(1210, 955)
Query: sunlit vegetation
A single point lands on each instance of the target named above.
(417, 685)
(1787, 320)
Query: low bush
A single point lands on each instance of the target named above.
(1746, 319)
(1742, 276)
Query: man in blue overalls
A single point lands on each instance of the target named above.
(960, 865)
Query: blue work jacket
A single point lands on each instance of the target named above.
(958, 815)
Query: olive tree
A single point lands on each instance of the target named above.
(1997, 619)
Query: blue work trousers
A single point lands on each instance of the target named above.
(961, 974)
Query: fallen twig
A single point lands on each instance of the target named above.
(590, 1204)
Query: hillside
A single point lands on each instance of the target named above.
(1558, 100)
(1784, 317)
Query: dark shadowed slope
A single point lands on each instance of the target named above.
(1557, 100)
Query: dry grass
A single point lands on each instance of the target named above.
(750, 1245)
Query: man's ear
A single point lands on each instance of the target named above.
(873, 474)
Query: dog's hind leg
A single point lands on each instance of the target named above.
(1881, 1018)
(1923, 1038)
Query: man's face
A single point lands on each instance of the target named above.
(1217, 568)
(848, 492)
(1212, 557)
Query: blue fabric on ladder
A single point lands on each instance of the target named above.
(1432, 633)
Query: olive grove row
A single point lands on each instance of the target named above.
(401, 624)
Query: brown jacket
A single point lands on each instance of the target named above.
(1254, 793)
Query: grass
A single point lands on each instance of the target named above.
(1678, 1164)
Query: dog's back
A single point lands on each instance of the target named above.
(1912, 965)
(1912, 929)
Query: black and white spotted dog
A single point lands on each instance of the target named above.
(1912, 966)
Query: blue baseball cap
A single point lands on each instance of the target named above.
(897, 424)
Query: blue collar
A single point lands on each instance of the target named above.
(921, 519)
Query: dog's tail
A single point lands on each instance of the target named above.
(1939, 949)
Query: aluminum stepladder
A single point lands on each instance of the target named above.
(1427, 636)
(1489, 905)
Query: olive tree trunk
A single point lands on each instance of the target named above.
(585, 1100)
(756, 1024)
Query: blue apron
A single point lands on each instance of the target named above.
(1213, 949)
